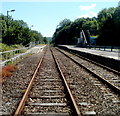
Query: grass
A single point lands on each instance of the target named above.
(7, 71)
(9, 55)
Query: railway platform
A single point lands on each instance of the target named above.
(111, 59)
(107, 54)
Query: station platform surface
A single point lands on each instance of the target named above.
(108, 54)
(36, 49)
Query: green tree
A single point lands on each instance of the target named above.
(116, 18)
(67, 31)
(108, 27)
(62, 32)
(45, 40)
(17, 32)
(36, 37)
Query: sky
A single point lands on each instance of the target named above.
(44, 16)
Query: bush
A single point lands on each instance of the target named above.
(7, 70)
(5, 47)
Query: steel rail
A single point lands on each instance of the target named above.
(75, 106)
(25, 96)
(96, 63)
(101, 65)
(116, 89)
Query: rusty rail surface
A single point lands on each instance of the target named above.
(113, 87)
(96, 63)
(25, 96)
(75, 106)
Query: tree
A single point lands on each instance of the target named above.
(67, 31)
(63, 23)
(17, 32)
(45, 40)
(108, 26)
(62, 32)
(36, 37)
(116, 19)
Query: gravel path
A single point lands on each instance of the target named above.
(92, 96)
(14, 87)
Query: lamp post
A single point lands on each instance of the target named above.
(8, 24)
(8, 15)
(9, 11)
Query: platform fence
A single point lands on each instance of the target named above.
(105, 48)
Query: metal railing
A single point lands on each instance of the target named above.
(12, 55)
(105, 48)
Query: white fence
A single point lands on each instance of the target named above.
(13, 55)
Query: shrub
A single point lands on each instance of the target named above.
(6, 73)
(7, 70)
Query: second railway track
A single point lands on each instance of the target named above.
(103, 73)
(93, 95)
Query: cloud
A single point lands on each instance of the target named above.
(90, 15)
(92, 6)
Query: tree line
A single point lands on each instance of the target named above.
(18, 32)
(106, 26)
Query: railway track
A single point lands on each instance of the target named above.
(94, 93)
(48, 91)
(67, 89)
(107, 75)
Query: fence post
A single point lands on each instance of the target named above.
(99, 47)
(111, 48)
(6, 56)
(118, 53)
(13, 53)
(104, 48)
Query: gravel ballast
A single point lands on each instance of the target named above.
(46, 87)
(91, 95)
(14, 87)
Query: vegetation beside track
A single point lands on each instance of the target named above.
(106, 26)
(5, 47)
(7, 71)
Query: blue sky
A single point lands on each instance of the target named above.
(45, 16)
